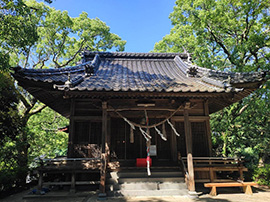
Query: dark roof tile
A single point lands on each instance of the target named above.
(143, 72)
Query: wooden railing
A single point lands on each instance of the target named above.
(183, 167)
(211, 165)
(70, 166)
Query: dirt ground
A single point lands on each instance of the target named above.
(261, 194)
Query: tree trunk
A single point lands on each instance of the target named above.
(23, 146)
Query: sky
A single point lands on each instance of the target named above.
(141, 23)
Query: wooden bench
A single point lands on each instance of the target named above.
(212, 165)
(246, 186)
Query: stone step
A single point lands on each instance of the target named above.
(134, 193)
(146, 186)
(161, 168)
(148, 179)
(141, 174)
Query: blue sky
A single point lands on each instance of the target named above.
(141, 23)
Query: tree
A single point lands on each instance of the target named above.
(221, 34)
(231, 36)
(16, 21)
(45, 136)
(10, 127)
(44, 37)
(62, 38)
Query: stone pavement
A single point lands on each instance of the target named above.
(224, 195)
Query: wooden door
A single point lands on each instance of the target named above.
(123, 148)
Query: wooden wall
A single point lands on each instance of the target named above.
(86, 126)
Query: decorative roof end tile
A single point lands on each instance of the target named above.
(90, 68)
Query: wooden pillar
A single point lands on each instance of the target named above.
(188, 135)
(104, 150)
(71, 130)
(208, 128)
(104, 139)
(73, 181)
(173, 144)
(40, 180)
(109, 139)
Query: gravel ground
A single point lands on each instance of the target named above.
(261, 194)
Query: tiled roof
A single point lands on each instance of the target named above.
(141, 72)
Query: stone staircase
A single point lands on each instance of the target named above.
(164, 181)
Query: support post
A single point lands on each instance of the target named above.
(104, 152)
(208, 128)
(72, 187)
(71, 130)
(212, 174)
(109, 140)
(173, 144)
(188, 135)
(40, 180)
(104, 140)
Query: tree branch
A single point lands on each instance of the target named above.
(27, 57)
(242, 109)
(61, 46)
(23, 99)
(39, 109)
(219, 42)
(73, 57)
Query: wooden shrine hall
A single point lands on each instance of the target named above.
(128, 109)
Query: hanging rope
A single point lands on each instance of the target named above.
(164, 130)
(174, 130)
(161, 135)
(131, 125)
(148, 144)
(147, 126)
(131, 138)
(148, 159)
(145, 135)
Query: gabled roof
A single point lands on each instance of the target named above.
(140, 73)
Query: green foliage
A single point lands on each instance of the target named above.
(10, 130)
(61, 38)
(262, 175)
(11, 178)
(46, 140)
(17, 29)
(10, 123)
(244, 125)
(221, 34)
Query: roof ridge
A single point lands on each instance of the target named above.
(87, 53)
(63, 70)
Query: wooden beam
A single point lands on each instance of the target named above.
(191, 118)
(137, 95)
(188, 135)
(131, 115)
(143, 108)
(87, 118)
